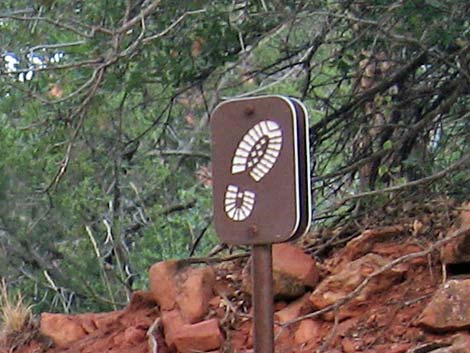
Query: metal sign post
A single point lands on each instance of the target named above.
(263, 304)
(261, 187)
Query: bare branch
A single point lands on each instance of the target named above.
(145, 12)
(462, 163)
(172, 25)
(57, 45)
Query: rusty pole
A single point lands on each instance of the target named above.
(262, 280)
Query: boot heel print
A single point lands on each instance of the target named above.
(256, 153)
(238, 205)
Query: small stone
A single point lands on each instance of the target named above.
(293, 310)
(394, 348)
(307, 331)
(349, 345)
(449, 308)
(172, 322)
(458, 250)
(201, 337)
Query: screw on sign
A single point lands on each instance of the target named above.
(261, 187)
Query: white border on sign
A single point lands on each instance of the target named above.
(308, 166)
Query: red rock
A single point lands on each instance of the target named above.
(293, 310)
(140, 320)
(250, 341)
(174, 286)
(201, 337)
(350, 345)
(122, 331)
(309, 348)
(103, 320)
(284, 339)
(394, 250)
(238, 341)
(345, 326)
(62, 329)
(458, 250)
(80, 324)
(117, 339)
(364, 243)
(162, 278)
(308, 330)
(87, 321)
(247, 329)
(460, 344)
(172, 321)
(399, 348)
(449, 309)
(134, 335)
(282, 334)
(291, 260)
(398, 330)
(195, 293)
(187, 337)
(412, 248)
(293, 271)
(215, 301)
(369, 339)
(394, 348)
(338, 286)
(286, 286)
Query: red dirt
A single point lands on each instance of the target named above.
(384, 322)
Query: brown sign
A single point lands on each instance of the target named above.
(260, 170)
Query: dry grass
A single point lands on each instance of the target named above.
(15, 314)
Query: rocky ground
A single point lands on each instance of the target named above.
(392, 288)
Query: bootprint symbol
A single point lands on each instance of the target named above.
(238, 205)
(256, 153)
(258, 150)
